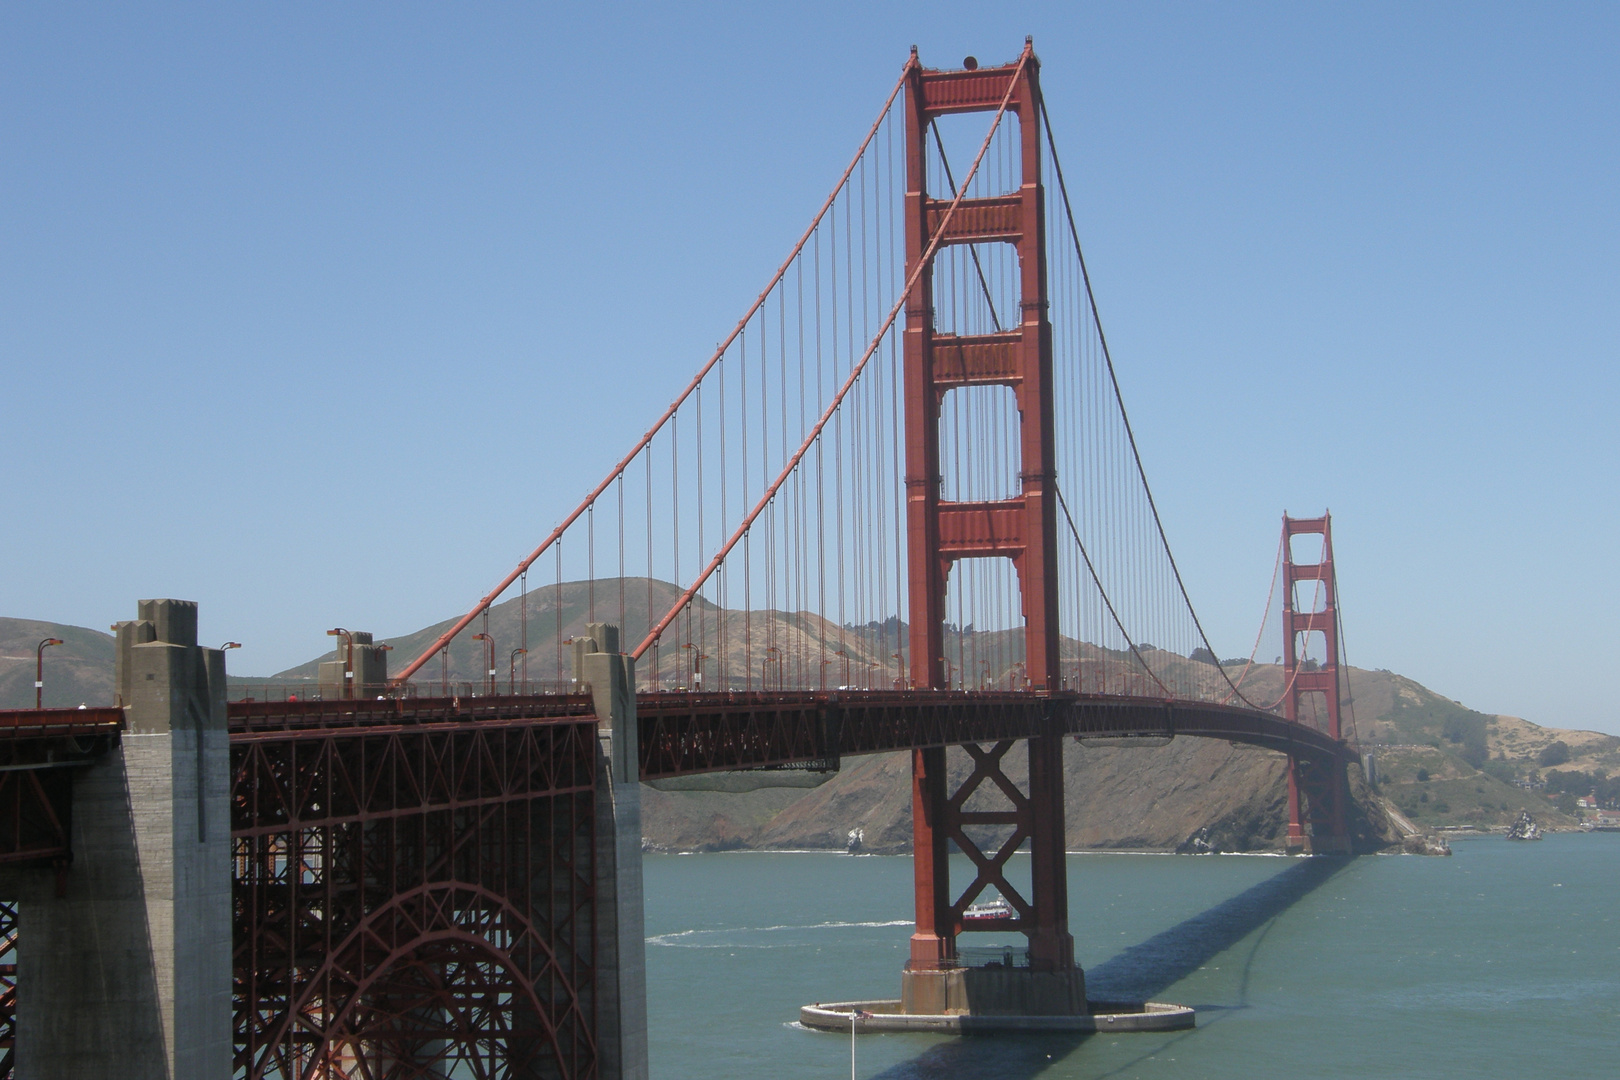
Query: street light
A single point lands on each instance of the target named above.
(845, 655)
(489, 661)
(511, 670)
(764, 684)
(348, 658)
(39, 670)
(696, 678)
(230, 645)
(383, 685)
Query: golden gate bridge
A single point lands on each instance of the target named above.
(900, 507)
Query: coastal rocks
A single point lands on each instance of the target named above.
(1525, 828)
(1425, 844)
(1197, 844)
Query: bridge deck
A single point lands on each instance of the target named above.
(685, 733)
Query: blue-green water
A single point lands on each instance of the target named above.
(1502, 961)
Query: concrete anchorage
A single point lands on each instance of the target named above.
(360, 671)
(124, 968)
(609, 676)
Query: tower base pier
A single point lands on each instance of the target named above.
(993, 991)
(1103, 1016)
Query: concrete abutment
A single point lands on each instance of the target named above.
(124, 966)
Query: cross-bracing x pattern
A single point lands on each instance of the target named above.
(990, 868)
(416, 901)
(8, 986)
(34, 807)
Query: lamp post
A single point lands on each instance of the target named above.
(764, 684)
(845, 655)
(696, 678)
(383, 685)
(348, 658)
(511, 670)
(899, 670)
(39, 670)
(489, 662)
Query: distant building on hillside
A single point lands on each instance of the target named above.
(1603, 819)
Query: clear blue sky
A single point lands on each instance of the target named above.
(323, 314)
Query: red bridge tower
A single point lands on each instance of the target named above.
(1317, 794)
(1023, 529)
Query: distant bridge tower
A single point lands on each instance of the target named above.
(1022, 528)
(1317, 795)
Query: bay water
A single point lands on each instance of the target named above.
(1501, 961)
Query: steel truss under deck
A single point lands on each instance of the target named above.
(414, 898)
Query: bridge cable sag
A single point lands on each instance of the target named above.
(444, 639)
(1136, 652)
(1102, 338)
(855, 372)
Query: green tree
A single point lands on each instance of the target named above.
(1467, 729)
(1554, 753)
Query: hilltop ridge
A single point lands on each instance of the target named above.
(1440, 763)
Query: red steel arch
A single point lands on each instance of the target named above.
(414, 885)
(373, 1032)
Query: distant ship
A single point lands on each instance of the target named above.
(984, 911)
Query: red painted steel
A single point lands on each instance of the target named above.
(684, 734)
(1317, 790)
(8, 987)
(39, 750)
(1023, 529)
(413, 897)
(916, 273)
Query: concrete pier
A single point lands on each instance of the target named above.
(993, 991)
(610, 677)
(124, 972)
(1103, 1016)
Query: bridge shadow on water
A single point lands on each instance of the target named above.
(1139, 973)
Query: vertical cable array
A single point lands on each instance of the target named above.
(1132, 625)
(753, 538)
(803, 598)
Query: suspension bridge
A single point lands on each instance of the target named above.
(900, 507)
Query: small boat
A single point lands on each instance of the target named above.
(984, 911)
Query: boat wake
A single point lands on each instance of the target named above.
(727, 937)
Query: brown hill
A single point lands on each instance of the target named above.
(77, 672)
(1440, 763)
